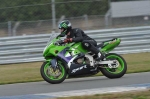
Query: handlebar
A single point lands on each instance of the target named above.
(59, 43)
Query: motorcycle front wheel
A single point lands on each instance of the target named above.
(51, 75)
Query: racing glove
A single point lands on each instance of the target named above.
(68, 40)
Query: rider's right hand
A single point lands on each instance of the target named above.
(68, 40)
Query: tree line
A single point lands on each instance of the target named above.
(30, 10)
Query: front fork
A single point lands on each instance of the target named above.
(53, 63)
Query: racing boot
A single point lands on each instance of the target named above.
(100, 57)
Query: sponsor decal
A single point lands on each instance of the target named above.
(77, 69)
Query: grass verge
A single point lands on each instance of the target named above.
(30, 72)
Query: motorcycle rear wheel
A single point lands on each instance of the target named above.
(115, 72)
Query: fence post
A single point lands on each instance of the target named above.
(110, 9)
(86, 21)
(15, 28)
(53, 15)
(9, 28)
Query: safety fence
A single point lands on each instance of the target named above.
(29, 48)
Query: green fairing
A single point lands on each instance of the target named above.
(110, 45)
(76, 48)
(49, 51)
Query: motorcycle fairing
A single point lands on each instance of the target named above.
(110, 45)
(79, 69)
(62, 55)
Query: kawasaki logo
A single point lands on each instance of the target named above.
(77, 69)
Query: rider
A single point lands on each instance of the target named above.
(77, 35)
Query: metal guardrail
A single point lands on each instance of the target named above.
(30, 48)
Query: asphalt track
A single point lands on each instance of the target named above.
(73, 84)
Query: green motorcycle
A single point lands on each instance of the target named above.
(72, 60)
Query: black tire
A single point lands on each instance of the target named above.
(47, 79)
(112, 75)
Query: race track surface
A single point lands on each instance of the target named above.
(73, 84)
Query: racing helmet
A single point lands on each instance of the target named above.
(66, 25)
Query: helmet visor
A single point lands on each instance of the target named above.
(59, 26)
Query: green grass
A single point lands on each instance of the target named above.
(30, 72)
(16, 73)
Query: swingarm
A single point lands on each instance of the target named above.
(109, 63)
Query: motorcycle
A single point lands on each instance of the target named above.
(72, 60)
